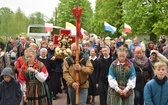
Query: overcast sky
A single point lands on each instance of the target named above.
(30, 6)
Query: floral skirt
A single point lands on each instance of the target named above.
(114, 99)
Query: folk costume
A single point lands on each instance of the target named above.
(33, 84)
(121, 75)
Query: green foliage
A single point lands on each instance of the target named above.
(15, 24)
(19, 22)
(36, 18)
(144, 16)
(110, 12)
(64, 13)
(6, 18)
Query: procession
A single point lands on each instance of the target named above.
(99, 63)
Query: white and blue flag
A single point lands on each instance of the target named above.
(109, 27)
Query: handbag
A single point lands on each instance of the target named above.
(124, 96)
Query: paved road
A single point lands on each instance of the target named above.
(61, 100)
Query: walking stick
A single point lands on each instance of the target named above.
(77, 13)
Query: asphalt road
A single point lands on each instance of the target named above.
(61, 100)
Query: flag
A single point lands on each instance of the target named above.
(71, 27)
(84, 33)
(127, 28)
(48, 27)
(109, 27)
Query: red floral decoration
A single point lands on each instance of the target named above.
(127, 66)
(25, 66)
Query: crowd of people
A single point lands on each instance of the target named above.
(118, 72)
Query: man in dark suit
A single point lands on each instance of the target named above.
(22, 46)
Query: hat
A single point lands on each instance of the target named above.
(152, 52)
(7, 71)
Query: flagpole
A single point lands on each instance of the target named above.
(77, 61)
(104, 38)
(77, 13)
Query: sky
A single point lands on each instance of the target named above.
(31, 6)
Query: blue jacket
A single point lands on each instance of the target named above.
(155, 94)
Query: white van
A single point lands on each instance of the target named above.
(38, 31)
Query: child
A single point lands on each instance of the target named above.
(10, 91)
(32, 77)
(155, 91)
(121, 79)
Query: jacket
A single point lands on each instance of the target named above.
(69, 73)
(155, 94)
(10, 92)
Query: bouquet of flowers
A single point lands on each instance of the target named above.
(63, 48)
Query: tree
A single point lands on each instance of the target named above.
(36, 18)
(147, 16)
(64, 13)
(110, 12)
(6, 16)
(53, 19)
(20, 23)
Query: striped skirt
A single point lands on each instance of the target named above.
(114, 99)
(36, 93)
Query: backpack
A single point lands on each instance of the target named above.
(82, 61)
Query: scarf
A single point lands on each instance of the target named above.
(160, 82)
(141, 62)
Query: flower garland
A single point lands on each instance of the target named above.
(126, 65)
(63, 48)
